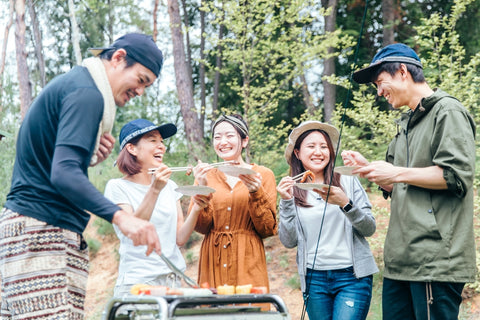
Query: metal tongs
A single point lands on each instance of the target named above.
(192, 283)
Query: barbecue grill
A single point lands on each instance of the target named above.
(236, 307)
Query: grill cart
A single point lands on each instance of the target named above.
(235, 307)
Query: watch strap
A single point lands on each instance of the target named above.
(348, 206)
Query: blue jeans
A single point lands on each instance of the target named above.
(337, 295)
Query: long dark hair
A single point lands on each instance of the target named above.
(296, 167)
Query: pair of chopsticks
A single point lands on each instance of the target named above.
(178, 169)
(230, 162)
(299, 176)
(173, 169)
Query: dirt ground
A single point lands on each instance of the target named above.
(282, 271)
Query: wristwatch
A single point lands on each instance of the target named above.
(348, 206)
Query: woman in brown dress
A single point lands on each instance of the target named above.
(240, 214)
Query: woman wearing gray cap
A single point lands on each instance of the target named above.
(151, 197)
(334, 259)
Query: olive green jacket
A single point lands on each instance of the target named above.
(430, 235)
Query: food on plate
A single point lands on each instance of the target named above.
(259, 290)
(226, 289)
(158, 290)
(135, 289)
(308, 176)
(145, 289)
(174, 292)
(205, 285)
(243, 289)
(198, 292)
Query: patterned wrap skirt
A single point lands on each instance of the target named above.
(44, 269)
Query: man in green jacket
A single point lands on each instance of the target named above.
(429, 250)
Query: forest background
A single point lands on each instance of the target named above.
(276, 62)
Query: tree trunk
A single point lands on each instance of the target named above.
(37, 35)
(155, 10)
(388, 20)
(187, 38)
(388, 16)
(307, 98)
(21, 55)
(218, 68)
(201, 73)
(111, 21)
(329, 89)
(4, 48)
(184, 84)
(75, 33)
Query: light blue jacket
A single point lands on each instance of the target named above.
(360, 224)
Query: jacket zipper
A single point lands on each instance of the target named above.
(406, 137)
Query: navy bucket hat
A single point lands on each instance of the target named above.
(397, 52)
(140, 47)
(139, 127)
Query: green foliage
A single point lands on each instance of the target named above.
(476, 228)
(101, 173)
(190, 257)
(375, 312)
(104, 228)
(268, 257)
(269, 44)
(94, 246)
(364, 126)
(448, 66)
(294, 282)
(9, 123)
(367, 128)
(284, 263)
(194, 238)
(7, 156)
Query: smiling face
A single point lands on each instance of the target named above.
(227, 142)
(128, 82)
(149, 150)
(393, 88)
(314, 153)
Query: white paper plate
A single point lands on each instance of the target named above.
(310, 186)
(193, 190)
(235, 170)
(346, 170)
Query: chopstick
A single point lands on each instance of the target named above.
(299, 176)
(173, 169)
(177, 169)
(216, 164)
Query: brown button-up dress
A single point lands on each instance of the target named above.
(232, 252)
